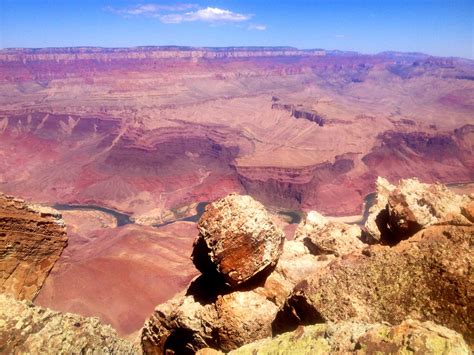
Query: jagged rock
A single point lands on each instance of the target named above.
(221, 317)
(427, 277)
(360, 338)
(243, 316)
(322, 236)
(237, 238)
(182, 325)
(32, 238)
(294, 263)
(25, 328)
(376, 223)
(468, 211)
(403, 210)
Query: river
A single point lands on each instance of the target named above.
(294, 215)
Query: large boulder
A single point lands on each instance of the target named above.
(401, 211)
(32, 238)
(237, 239)
(25, 328)
(428, 277)
(217, 316)
(322, 236)
(360, 338)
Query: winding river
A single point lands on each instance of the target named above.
(295, 216)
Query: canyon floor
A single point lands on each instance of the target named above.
(151, 132)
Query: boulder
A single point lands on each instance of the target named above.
(243, 315)
(401, 211)
(322, 236)
(237, 239)
(32, 238)
(25, 328)
(427, 277)
(221, 317)
(355, 337)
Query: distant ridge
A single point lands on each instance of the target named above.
(151, 52)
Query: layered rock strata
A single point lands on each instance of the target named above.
(299, 112)
(32, 238)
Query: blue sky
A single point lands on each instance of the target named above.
(438, 27)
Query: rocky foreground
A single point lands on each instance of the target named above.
(410, 265)
(402, 283)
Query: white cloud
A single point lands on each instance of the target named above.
(180, 13)
(257, 27)
(149, 9)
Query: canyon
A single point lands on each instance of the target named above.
(113, 127)
(153, 133)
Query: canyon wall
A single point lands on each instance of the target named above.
(149, 130)
(32, 239)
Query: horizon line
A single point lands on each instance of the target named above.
(223, 48)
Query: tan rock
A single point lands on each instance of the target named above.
(294, 263)
(468, 211)
(243, 316)
(209, 351)
(322, 236)
(361, 338)
(25, 328)
(376, 223)
(238, 239)
(403, 210)
(428, 277)
(183, 325)
(32, 238)
(209, 315)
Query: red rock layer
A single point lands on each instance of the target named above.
(31, 240)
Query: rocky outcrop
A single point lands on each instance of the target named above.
(355, 337)
(376, 223)
(329, 274)
(427, 277)
(25, 328)
(210, 314)
(403, 210)
(322, 236)
(300, 112)
(214, 314)
(237, 239)
(32, 238)
(468, 211)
